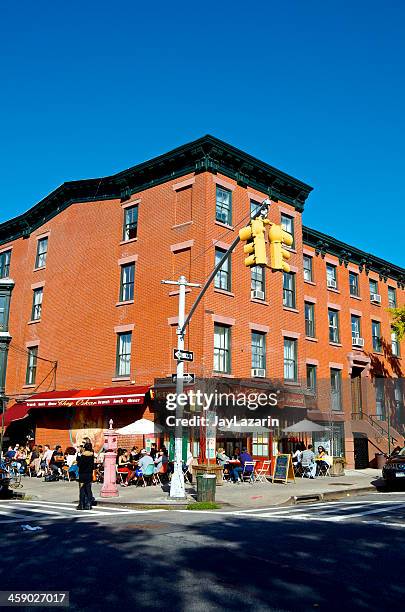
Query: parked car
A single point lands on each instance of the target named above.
(394, 470)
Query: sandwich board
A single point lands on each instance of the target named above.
(283, 469)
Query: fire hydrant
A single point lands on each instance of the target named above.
(109, 488)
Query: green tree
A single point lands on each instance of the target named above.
(398, 321)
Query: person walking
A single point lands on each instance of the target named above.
(85, 462)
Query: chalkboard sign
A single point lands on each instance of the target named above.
(283, 469)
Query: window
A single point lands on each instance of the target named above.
(223, 212)
(223, 276)
(356, 332)
(398, 400)
(127, 282)
(309, 320)
(376, 334)
(3, 312)
(37, 304)
(331, 276)
(260, 445)
(379, 399)
(130, 229)
(31, 373)
(308, 268)
(254, 207)
(222, 354)
(42, 250)
(336, 389)
(395, 344)
(311, 378)
(392, 297)
(287, 223)
(354, 284)
(5, 258)
(289, 289)
(373, 284)
(333, 316)
(257, 279)
(290, 359)
(258, 350)
(123, 366)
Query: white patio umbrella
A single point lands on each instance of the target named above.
(305, 426)
(142, 427)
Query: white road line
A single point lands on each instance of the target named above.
(36, 510)
(71, 508)
(22, 516)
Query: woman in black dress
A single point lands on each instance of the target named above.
(85, 461)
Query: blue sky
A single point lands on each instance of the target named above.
(314, 88)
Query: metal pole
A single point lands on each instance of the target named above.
(389, 428)
(3, 409)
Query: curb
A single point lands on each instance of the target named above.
(328, 496)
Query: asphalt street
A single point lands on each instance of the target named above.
(345, 555)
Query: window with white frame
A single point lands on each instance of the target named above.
(331, 276)
(354, 284)
(287, 223)
(392, 297)
(254, 207)
(258, 279)
(311, 377)
(356, 330)
(127, 282)
(5, 258)
(289, 289)
(130, 226)
(42, 251)
(336, 389)
(395, 344)
(309, 320)
(376, 335)
(307, 266)
(260, 445)
(123, 363)
(333, 317)
(223, 276)
(373, 284)
(290, 359)
(37, 296)
(379, 398)
(32, 359)
(258, 350)
(223, 211)
(222, 352)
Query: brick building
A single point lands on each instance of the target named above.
(92, 328)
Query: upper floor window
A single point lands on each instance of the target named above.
(289, 289)
(331, 276)
(258, 350)
(308, 274)
(31, 372)
(392, 297)
(42, 250)
(374, 295)
(37, 304)
(254, 207)
(223, 211)
(336, 389)
(258, 282)
(123, 361)
(127, 282)
(309, 320)
(3, 312)
(223, 276)
(130, 228)
(333, 316)
(356, 331)
(287, 223)
(5, 258)
(376, 334)
(222, 352)
(354, 284)
(395, 344)
(311, 378)
(290, 359)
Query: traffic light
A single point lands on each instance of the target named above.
(255, 245)
(278, 237)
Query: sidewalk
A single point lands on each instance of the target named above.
(233, 496)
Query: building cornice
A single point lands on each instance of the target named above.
(322, 243)
(207, 154)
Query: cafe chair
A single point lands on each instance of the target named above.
(248, 474)
(307, 469)
(323, 469)
(263, 473)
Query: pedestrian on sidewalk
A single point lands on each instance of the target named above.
(85, 461)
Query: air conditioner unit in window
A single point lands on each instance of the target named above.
(258, 373)
(256, 294)
(357, 341)
(332, 283)
(376, 298)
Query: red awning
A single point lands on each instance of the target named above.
(110, 396)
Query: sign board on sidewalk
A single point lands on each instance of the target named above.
(283, 469)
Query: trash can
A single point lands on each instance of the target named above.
(380, 460)
(206, 484)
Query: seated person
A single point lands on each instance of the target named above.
(308, 461)
(71, 463)
(57, 459)
(296, 458)
(222, 458)
(243, 458)
(322, 460)
(143, 462)
(124, 466)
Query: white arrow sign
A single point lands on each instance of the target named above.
(183, 355)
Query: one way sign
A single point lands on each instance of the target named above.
(183, 355)
(188, 378)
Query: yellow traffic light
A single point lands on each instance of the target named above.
(255, 245)
(278, 237)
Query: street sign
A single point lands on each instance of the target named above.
(183, 355)
(188, 378)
